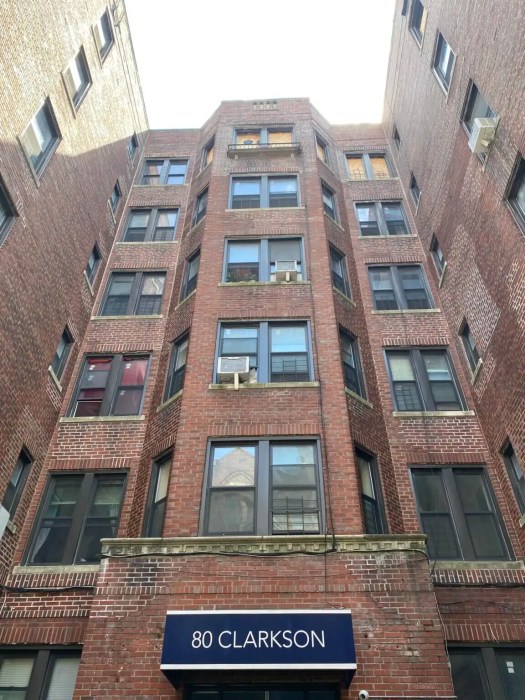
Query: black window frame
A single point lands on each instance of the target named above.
(152, 225)
(91, 268)
(516, 184)
(39, 162)
(468, 115)
(264, 196)
(189, 284)
(164, 173)
(136, 294)
(112, 384)
(489, 678)
(321, 146)
(44, 660)
(402, 303)
(352, 373)
(200, 207)
(444, 78)
(104, 35)
(175, 377)
(15, 487)
(437, 255)
(418, 20)
(77, 94)
(329, 198)
(469, 345)
(366, 159)
(263, 354)
(340, 279)
(458, 514)
(262, 488)
(59, 360)
(415, 190)
(155, 512)
(516, 474)
(79, 515)
(133, 146)
(396, 138)
(264, 271)
(381, 220)
(8, 212)
(422, 382)
(373, 508)
(115, 197)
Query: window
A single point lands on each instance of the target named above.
(260, 260)
(516, 195)
(458, 513)
(46, 674)
(339, 274)
(177, 367)
(263, 487)
(488, 674)
(158, 492)
(437, 255)
(41, 138)
(103, 35)
(164, 172)
(351, 365)
(278, 351)
(321, 148)
(368, 166)
(396, 138)
(77, 78)
(92, 265)
(201, 205)
(516, 475)
(207, 154)
(64, 346)
(264, 191)
(423, 380)
(134, 294)
(190, 275)
(470, 346)
(371, 501)
(414, 190)
(115, 197)
(133, 146)
(16, 484)
(475, 107)
(382, 219)
(77, 511)
(418, 20)
(7, 212)
(271, 692)
(399, 287)
(329, 202)
(110, 385)
(266, 136)
(151, 225)
(443, 64)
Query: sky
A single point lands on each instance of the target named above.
(193, 54)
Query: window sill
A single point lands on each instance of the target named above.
(476, 371)
(390, 235)
(102, 419)
(418, 38)
(57, 569)
(446, 564)
(90, 286)
(442, 276)
(126, 318)
(440, 82)
(432, 414)
(389, 312)
(144, 242)
(38, 172)
(333, 221)
(521, 521)
(169, 401)
(257, 283)
(359, 398)
(10, 527)
(183, 301)
(56, 380)
(372, 179)
(237, 211)
(343, 296)
(265, 385)
(165, 184)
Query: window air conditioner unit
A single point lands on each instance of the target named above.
(482, 135)
(4, 519)
(228, 367)
(286, 271)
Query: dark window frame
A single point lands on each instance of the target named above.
(79, 517)
(164, 174)
(340, 280)
(103, 30)
(38, 163)
(366, 159)
(175, 377)
(352, 373)
(155, 512)
(115, 197)
(440, 49)
(515, 473)
(398, 291)
(112, 384)
(17, 482)
(200, 207)
(463, 540)
(59, 361)
(264, 195)
(322, 145)
(381, 220)
(264, 353)
(415, 190)
(396, 138)
(151, 228)
(91, 269)
(8, 211)
(77, 94)
(208, 148)
(422, 381)
(417, 21)
(133, 146)
(42, 668)
(488, 667)
(264, 263)
(514, 195)
(136, 292)
(437, 255)
(467, 113)
(329, 198)
(469, 345)
(262, 486)
(372, 505)
(189, 284)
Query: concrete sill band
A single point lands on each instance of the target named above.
(169, 401)
(343, 296)
(264, 284)
(101, 419)
(432, 414)
(388, 312)
(135, 317)
(265, 385)
(362, 400)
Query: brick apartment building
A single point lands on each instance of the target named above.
(274, 364)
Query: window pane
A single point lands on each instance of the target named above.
(282, 191)
(293, 454)
(395, 221)
(231, 511)
(127, 402)
(436, 518)
(134, 372)
(63, 678)
(479, 515)
(401, 367)
(240, 341)
(243, 252)
(367, 216)
(288, 339)
(101, 519)
(356, 168)
(468, 676)
(379, 167)
(14, 677)
(233, 466)
(511, 664)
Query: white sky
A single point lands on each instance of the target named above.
(192, 54)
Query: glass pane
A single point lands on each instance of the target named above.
(246, 187)
(485, 536)
(379, 167)
(63, 679)
(134, 372)
(153, 284)
(366, 212)
(468, 676)
(511, 664)
(106, 503)
(182, 352)
(177, 168)
(295, 522)
(407, 396)
(167, 219)
(163, 477)
(15, 673)
(282, 185)
(64, 497)
(365, 473)
(356, 168)
(233, 466)
(96, 372)
(401, 367)
(285, 250)
(288, 339)
(445, 396)
(127, 402)
(472, 492)
(442, 541)
(231, 511)
(294, 475)
(436, 366)
(239, 342)
(430, 491)
(292, 454)
(243, 252)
